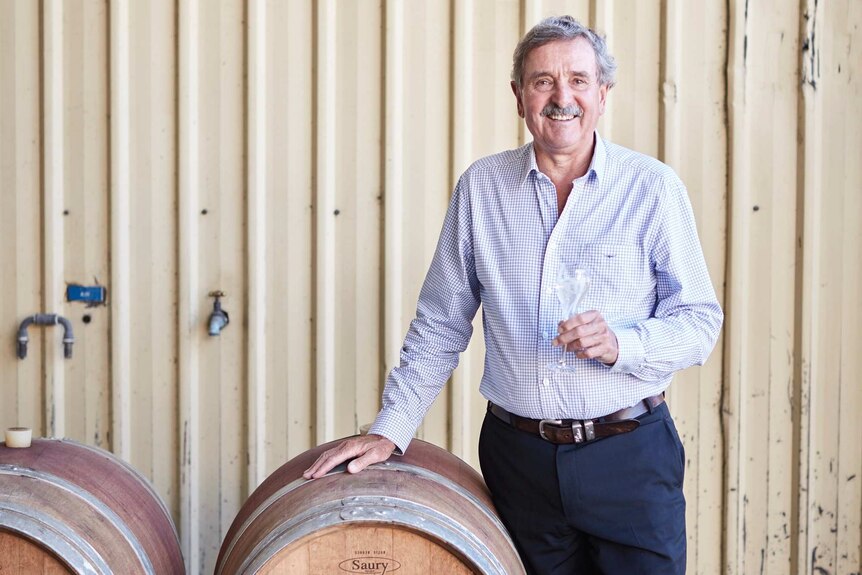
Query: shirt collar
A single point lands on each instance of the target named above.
(600, 158)
(597, 164)
(530, 165)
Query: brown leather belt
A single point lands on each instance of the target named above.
(563, 431)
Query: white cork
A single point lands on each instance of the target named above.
(18, 437)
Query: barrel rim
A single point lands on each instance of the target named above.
(367, 509)
(72, 549)
(91, 500)
(409, 468)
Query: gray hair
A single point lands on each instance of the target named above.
(564, 28)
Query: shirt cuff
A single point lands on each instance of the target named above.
(631, 351)
(395, 427)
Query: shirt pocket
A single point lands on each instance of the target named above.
(621, 284)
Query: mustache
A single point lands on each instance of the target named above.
(554, 110)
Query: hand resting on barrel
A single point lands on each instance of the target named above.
(363, 449)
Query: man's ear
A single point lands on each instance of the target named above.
(603, 95)
(517, 92)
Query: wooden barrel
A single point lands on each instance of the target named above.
(425, 512)
(66, 507)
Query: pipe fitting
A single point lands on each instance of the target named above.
(45, 319)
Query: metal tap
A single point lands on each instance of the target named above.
(218, 318)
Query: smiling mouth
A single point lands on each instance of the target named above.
(562, 114)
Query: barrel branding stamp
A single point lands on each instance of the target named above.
(369, 565)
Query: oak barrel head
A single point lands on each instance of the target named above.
(427, 511)
(19, 554)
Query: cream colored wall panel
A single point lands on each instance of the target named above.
(85, 211)
(190, 290)
(222, 266)
(212, 238)
(841, 82)
(290, 312)
(830, 471)
(490, 115)
(357, 214)
(737, 284)
(761, 326)
(535, 10)
(426, 165)
(842, 85)
(152, 251)
(465, 420)
(394, 315)
(75, 214)
(326, 84)
(693, 141)
(54, 164)
(257, 250)
(120, 110)
(21, 381)
(635, 36)
(417, 52)
(86, 218)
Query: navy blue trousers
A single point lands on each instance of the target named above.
(612, 506)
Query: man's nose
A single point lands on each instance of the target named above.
(563, 94)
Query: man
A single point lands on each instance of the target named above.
(584, 465)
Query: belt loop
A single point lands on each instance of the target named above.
(652, 402)
(589, 430)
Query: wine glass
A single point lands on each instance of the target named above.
(571, 287)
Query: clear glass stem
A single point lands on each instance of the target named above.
(562, 361)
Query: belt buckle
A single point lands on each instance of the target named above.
(544, 422)
(577, 429)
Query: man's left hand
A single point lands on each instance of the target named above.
(588, 335)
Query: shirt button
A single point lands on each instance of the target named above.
(546, 381)
(545, 334)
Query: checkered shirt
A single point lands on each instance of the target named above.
(628, 221)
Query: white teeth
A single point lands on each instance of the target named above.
(556, 117)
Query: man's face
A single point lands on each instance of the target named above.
(561, 76)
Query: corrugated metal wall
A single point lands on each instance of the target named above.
(299, 155)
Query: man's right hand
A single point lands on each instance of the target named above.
(366, 449)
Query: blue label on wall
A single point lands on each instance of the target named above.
(91, 294)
